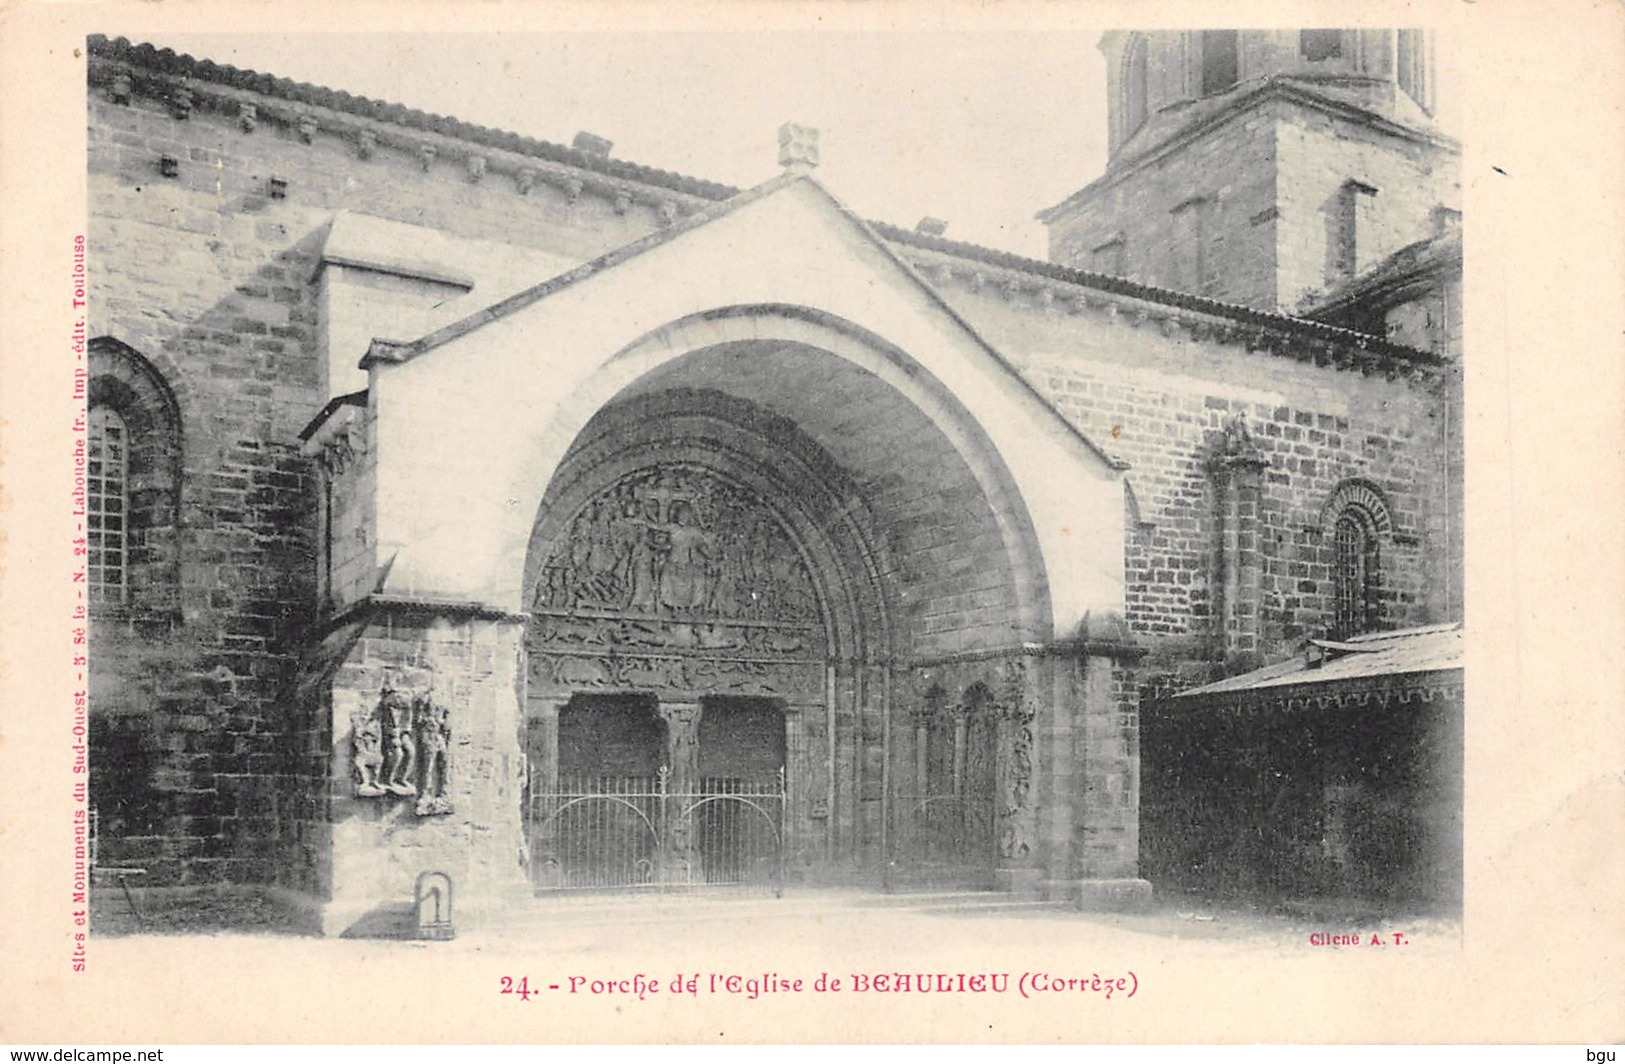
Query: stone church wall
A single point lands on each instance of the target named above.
(1158, 396)
(216, 738)
(204, 238)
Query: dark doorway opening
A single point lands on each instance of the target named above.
(605, 738)
(741, 769)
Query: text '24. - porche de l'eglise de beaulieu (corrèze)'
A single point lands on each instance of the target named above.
(473, 504)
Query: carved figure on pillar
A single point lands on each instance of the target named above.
(366, 739)
(400, 748)
(433, 747)
(1014, 770)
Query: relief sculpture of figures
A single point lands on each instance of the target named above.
(367, 739)
(434, 742)
(680, 543)
(400, 748)
(1016, 768)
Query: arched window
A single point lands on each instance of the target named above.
(132, 504)
(1136, 86)
(1355, 550)
(107, 505)
(1356, 521)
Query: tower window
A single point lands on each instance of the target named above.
(1356, 572)
(1410, 67)
(1108, 257)
(107, 505)
(1191, 268)
(1136, 97)
(1320, 45)
(1221, 60)
(1349, 247)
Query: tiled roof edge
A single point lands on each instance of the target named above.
(1150, 293)
(179, 64)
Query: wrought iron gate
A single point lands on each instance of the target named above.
(647, 833)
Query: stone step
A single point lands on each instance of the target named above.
(633, 908)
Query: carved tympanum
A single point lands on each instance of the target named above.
(676, 579)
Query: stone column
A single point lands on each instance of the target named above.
(682, 745)
(542, 743)
(1238, 468)
(1091, 759)
(678, 861)
(1018, 868)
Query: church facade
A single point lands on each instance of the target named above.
(471, 504)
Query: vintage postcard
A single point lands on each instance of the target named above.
(772, 523)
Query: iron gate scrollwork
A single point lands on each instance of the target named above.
(647, 833)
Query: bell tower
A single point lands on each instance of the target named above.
(1261, 167)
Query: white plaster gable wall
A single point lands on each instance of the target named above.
(386, 279)
(470, 432)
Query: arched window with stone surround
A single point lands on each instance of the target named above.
(1356, 521)
(133, 480)
(107, 505)
(1354, 546)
